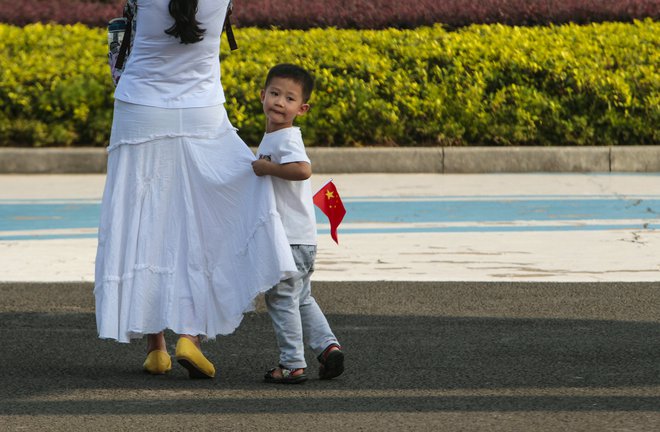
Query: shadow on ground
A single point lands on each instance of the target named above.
(394, 363)
(53, 353)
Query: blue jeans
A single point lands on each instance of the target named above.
(297, 318)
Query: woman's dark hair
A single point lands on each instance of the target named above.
(186, 27)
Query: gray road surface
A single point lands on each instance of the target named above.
(439, 356)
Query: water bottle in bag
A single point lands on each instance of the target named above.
(116, 31)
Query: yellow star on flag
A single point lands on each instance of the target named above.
(329, 194)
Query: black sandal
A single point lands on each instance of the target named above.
(332, 362)
(287, 376)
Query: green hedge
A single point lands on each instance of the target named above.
(483, 85)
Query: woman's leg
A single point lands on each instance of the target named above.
(156, 341)
(158, 360)
(194, 339)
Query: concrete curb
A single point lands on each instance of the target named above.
(86, 160)
(384, 160)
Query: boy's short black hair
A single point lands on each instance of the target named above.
(295, 73)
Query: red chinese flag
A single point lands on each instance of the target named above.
(327, 199)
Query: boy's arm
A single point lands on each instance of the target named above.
(294, 171)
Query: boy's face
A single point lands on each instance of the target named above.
(282, 101)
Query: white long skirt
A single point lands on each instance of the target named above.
(188, 235)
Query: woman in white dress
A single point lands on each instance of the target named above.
(188, 235)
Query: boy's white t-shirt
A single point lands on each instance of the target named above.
(293, 198)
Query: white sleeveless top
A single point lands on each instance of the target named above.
(163, 72)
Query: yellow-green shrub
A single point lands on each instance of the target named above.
(54, 88)
(595, 84)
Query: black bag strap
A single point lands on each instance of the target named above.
(126, 41)
(228, 30)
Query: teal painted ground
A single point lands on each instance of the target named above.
(27, 219)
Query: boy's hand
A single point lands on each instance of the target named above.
(261, 167)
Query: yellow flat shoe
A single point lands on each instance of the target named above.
(158, 362)
(191, 358)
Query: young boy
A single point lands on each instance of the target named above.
(290, 304)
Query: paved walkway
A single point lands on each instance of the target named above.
(398, 227)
